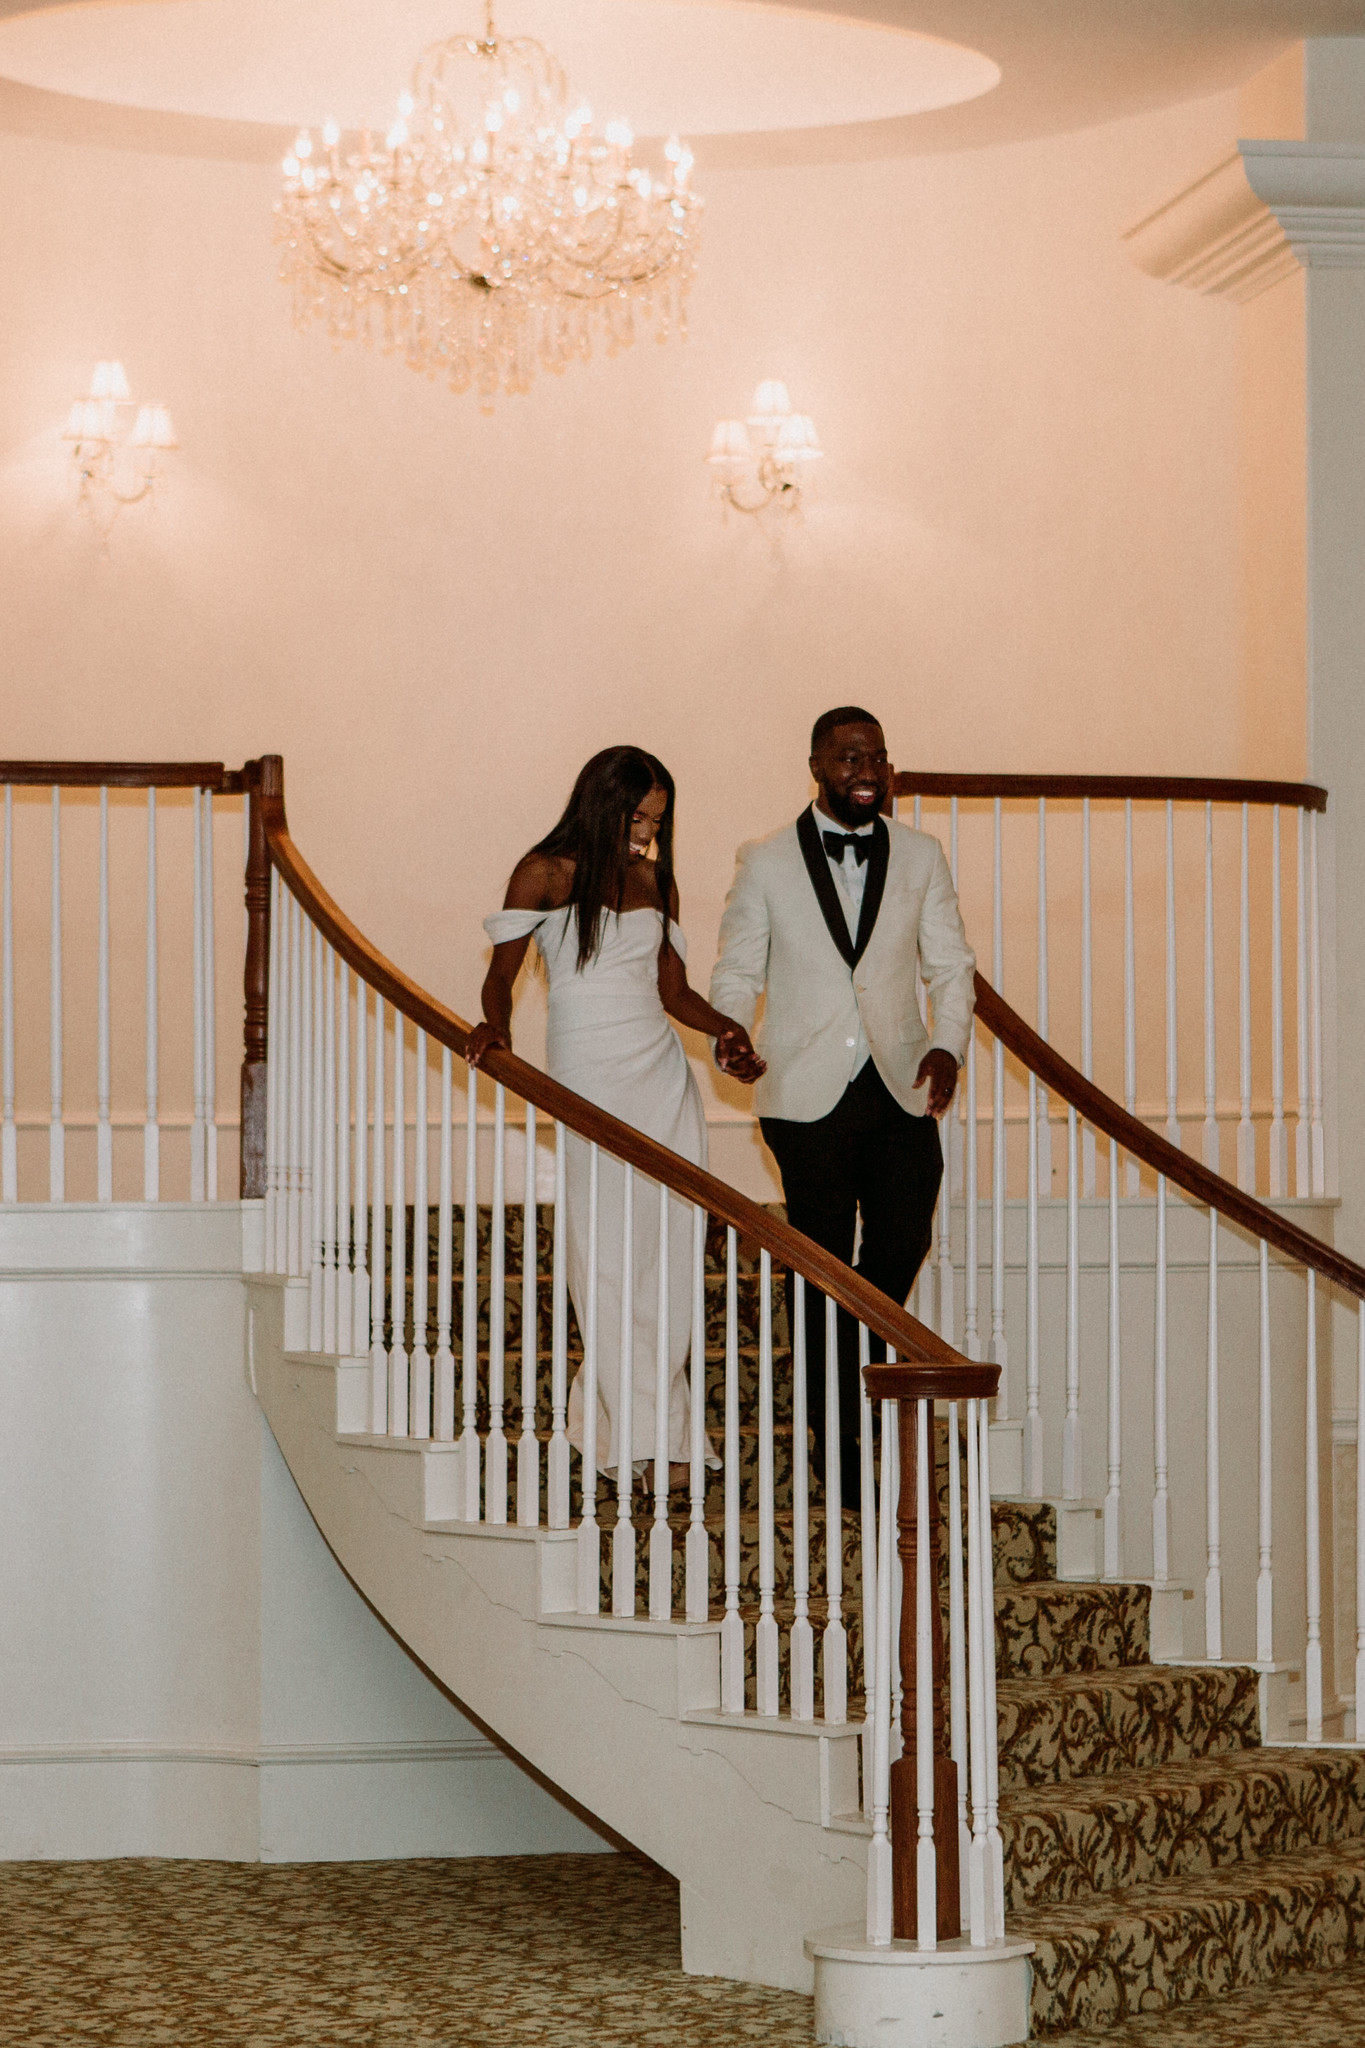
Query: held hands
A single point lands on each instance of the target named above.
(735, 1054)
(939, 1069)
(483, 1039)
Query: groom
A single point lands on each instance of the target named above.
(831, 917)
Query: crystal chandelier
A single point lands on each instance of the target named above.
(494, 229)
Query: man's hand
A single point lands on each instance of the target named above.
(735, 1054)
(939, 1069)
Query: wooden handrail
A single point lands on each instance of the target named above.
(1180, 789)
(941, 1372)
(1066, 1081)
(210, 775)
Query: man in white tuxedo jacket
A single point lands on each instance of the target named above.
(832, 919)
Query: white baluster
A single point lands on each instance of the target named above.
(341, 1228)
(360, 1276)
(1113, 1499)
(528, 1447)
(1172, 1007)
(660, 1535)
(327, 1198)
(104, 1130)
(317, 1194)
(1088, 1165)
(557, 1464)
(1303, 1128)
(379, 1357)
(9, 1133)
(947, 1305)
(470, 1460)
(589, 1538)
(319, 1204)
(419, 1375)
(1246, 1134)
(495, 1450)
(971, 1322)
(274, 1069)
(867, 1553)
(980, 1617)
(151, 1130)
(696, 1552)
(926, 1871)
(1315, 994)
(399, 1382)
(1213, 1577)
(957, 1657)
(1313, 1574)
(1161, 1495)
(295, 1092)
(766, 1643)
(1033, 1418)
(1360, 1519)
(1265, 1578)
(277, 1075)
(802, 1637)
(1279, 1135)
(1129, 986)
(995, 1848)
(444, 1364)
(210, 1020)
(1043, 1134)
(1072, 1464)
(56, 1141)
(623, 1535)
(197, 1143)
(834, 1647)
(732, 1627)
(878, 1660)
(1210, 1015)
(999, 1348)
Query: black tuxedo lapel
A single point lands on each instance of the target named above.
(878, 860)
(827, 895)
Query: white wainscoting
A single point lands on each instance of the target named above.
(187, 1671)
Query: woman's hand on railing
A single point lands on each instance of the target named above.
(735, 1053)
(485, 1038)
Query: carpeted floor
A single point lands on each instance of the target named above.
(521, 1952)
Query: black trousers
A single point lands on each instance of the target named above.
(870, 1157)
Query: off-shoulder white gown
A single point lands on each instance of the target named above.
(611, 1042)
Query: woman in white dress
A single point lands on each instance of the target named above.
(593, 899)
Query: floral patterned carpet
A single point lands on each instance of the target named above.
(524, 1952)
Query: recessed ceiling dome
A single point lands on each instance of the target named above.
(692, 67)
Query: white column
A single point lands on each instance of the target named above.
(151, 1129)
(56, 1142)
(104, 1131)
(9, 1136)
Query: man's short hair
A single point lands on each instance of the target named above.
(843, 714)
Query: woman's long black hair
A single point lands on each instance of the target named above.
(594, 833)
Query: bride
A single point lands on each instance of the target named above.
(594, 901)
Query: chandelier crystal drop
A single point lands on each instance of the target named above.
(494, 229)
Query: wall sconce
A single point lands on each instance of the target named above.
(763, 462)
(115, 441)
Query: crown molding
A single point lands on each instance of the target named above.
(1316, 192)
(1216, 235)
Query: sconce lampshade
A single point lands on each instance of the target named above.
(770, 403)
(797, 440)
(729, 444)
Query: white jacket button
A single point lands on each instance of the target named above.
(851, 1042)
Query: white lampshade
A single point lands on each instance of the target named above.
(141, 436)
(109, 381)
(797, 440)
(770, 403)
(75, 421)
(729, 443)
(163, 432)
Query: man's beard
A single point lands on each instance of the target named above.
(846, 812)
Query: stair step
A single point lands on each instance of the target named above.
(1048, 1626)
(1175, 1942)
(1077, 1723)
(1175, 1820)
(1311, 2009)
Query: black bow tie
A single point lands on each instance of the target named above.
(838, 843)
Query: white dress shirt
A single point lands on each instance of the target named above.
(850, 879)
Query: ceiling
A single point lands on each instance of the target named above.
(745, 82)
